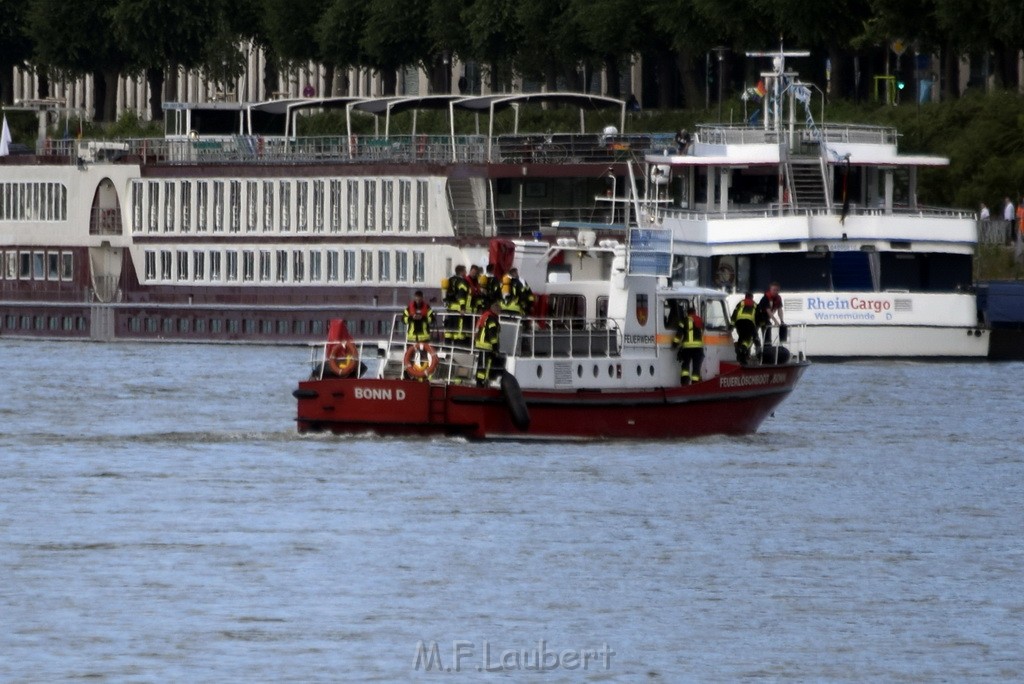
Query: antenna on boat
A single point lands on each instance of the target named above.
(775, 85)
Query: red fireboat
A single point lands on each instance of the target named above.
(599, 364)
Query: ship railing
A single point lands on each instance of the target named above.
(722, 134)
(525, 221)
(784, 344)
(404, 149)
(568, 338)
(775, 209)
(369, 359)
(577, 148)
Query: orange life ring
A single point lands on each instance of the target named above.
(420, 369)
(342, 358)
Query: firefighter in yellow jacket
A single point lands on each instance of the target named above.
(690, 343)
(488, 343)
(457, 301)
(418, 318)
(744, 319)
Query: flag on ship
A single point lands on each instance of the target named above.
(5, 139)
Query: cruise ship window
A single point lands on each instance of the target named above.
(264, 266)
(150, 265)
(298, 266)
(251, 212)
(268, 206)
(404, 205)
(67, 265)
(25, 266)
(318, 206)
(186, 206)
(169, 207)
(166, 264)
(301, 206)
(202, 197)
(332, 265)
(137, 192)
(384, 266)
(235, 206)
(366, 265)
(12, 265)
(418, 267)
(387, 196)
(335, 206)
(154, 206)
(421, 206)
(231, 266)
(218, 206)
(182, 265)
(248, 265)
(349, 264)
(53, 266)
(282, 265)
(198, 265)
(370, 205)
(315, 260)
(215, 260)
(401, 267)
(285, 223)
(353, 206)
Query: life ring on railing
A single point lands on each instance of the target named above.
(421, 145)
(353, 150)
(725, 276)
(342, 358)
(427, 360)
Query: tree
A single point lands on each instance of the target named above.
(75, 39)
(612, 30)
(163, 36)
(495, 35)
(340, 32)
(293, 31)
(393, 37)
(15, 45)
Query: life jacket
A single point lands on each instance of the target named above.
(691, 333)
(488, 331)
(417, 321)
(744, 311)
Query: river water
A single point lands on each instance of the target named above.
(160, 521)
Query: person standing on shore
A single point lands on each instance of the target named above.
(1008, 216)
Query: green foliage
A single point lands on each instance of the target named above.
(131, 126)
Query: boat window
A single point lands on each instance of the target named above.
(674, 310)
(924, 272)
(715, 315)
(851, 272)
(565, 306)
(602, 307)
(795, 272)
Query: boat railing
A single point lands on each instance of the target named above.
(775, 209)
(453, 343)
(569, 338)
(525, 221)
(721, 134)
(783, 344)
(567, 148)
